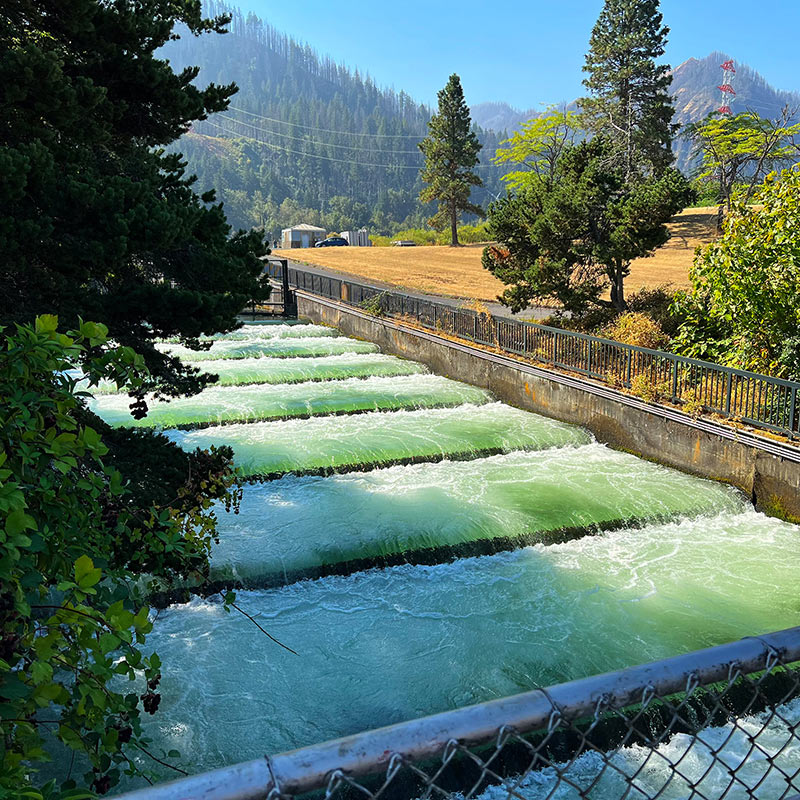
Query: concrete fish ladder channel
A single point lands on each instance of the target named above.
(673, 563)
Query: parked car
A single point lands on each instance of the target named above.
(403, 243)
(333, 241)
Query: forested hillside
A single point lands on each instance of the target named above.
(306, 139)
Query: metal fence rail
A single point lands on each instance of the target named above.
(761, 401)
(717, 723)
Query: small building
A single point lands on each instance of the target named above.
(359, 238)
(301, 236)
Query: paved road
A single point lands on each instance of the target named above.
(497, 309)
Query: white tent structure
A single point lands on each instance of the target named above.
(301, 236)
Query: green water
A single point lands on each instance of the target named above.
(276, 347)
(260, 402)
(244, 371)
(316, 521)
(320, 368)
(382, 646)
(378, 646)
(342, 443)
(271, 330)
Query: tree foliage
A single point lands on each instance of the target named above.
(451, 154)
(628, 92)
(744, 307)
(96, 219)
(538, 145)
(75, 535)
(739, 152)
(571, 237)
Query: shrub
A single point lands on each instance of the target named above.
(75, 541)
(637, 329)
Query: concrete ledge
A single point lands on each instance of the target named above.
(768, 471)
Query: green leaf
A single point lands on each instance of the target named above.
(18, 521)
(86, 574)
(46, 323)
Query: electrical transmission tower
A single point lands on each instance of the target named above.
(728, 71)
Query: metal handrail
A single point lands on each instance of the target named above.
(371, 752)
(762, 401)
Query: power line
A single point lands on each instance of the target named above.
(323, 158)
(329, 130)
(310, 141)
(310, 155)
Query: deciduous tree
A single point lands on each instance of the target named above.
(739, 152)
(744, 307)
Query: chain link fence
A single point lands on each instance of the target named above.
(717, 723)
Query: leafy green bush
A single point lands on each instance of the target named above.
(467, 234)
(74, 539)
(744, 306)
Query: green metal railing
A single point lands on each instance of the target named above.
(758, 400)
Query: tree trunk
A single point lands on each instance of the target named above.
(453, 228)
(618, 289)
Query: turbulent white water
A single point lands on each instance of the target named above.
(262, 402)
(270, 347)
(279, 330)
(245, 371)
(409, 508)
(730, 761)
(385, 645)
(342, 443)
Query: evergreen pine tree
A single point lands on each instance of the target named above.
(97, 221)
(628, 92)
(451, 152)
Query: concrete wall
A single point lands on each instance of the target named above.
(767, 471)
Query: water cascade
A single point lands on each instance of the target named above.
(298, 347)
(324, 444)
(482, 504)
(435, 549)
(252, 403)
(385, 645)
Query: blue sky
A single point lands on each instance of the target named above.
(525, 52)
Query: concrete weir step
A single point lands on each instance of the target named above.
(436, 512)
(325, 445)
(231, 404)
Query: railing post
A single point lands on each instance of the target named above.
(674, 380)
(628, 366)
(475, 327)
(589, 360)
(434, 316)
(792, 412)
(524, 338)
(728, 388)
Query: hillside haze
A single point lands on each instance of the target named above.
(309, 140)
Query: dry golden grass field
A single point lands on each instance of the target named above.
(457, 272)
